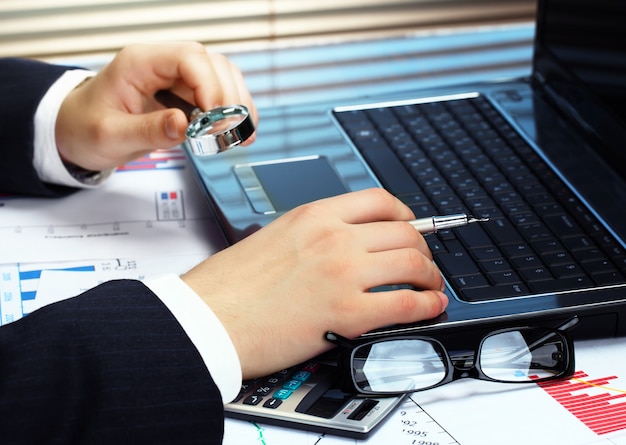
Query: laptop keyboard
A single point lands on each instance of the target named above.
(462, 156)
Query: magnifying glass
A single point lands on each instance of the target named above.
(214, 131)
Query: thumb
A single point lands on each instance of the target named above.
(151, 131)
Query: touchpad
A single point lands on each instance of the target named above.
(278, 186)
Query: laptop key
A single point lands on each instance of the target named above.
(503, 232)
(495, 292)
(504, 277)
(608, 278)
(527, 262)
(473, 235)
(536, 274)
(562, 284)
(486, 253)
(390, 171)
(535, 232)
(557, 258)
(599, 266)
(563, 225)
(469, 281)
(547, 246)
(517, 250)
(496, 265)
(457, 263)
(568, 270)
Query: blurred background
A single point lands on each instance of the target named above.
(275, 41)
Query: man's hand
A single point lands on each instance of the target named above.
(113, 117)
(279, 290)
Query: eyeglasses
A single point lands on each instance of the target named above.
(397, 365)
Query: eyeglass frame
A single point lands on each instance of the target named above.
(453, 373)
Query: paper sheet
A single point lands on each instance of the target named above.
(150, 207)
(149, 218)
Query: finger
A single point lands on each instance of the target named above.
(215, 81)
(400, 266)
(181, 67)
(398, 307)
(202, 73)
(229, 81)
(234, 89)
(369, 205)
(390, 235)
(137, 133)
(224, 72)
(243, 93)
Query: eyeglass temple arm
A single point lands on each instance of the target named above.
(566, 326)
(339, 340)
(347, 343)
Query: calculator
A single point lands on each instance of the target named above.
(308, 397)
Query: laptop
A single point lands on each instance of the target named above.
(544, 157)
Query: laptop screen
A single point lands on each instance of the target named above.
(580, 57)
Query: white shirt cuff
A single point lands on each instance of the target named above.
(205, 331)
(46, 158)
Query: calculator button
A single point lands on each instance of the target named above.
(303, 376)
(272, 403)
(245, 387)
(263, 390)
(252, 400)
(311, 367)
(292, 384)
(283, 394)
(272, 381)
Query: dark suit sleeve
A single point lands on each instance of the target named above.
(111, 366)
(22, 85)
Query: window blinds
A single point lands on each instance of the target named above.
(74, 28)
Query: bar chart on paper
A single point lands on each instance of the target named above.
(18, 290)
(25, 287)
(19, 283)
(594, 401)
(173, 159)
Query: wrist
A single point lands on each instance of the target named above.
(47, 160)
(83, 175)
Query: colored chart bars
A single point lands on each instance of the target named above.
(172, 158)
(594, 402)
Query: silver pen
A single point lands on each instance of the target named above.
(432, 224)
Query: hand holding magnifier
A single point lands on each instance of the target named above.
(213, 131)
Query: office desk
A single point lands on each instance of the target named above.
(150, 218)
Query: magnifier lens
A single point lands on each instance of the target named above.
(212, 131)
(209, 127)
(219, 130)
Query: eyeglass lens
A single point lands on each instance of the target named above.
(405, 365)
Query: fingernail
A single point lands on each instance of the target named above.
(444, 301)
(171, 129)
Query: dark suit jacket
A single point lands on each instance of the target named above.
(111, 366)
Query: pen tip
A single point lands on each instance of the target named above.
(471, 219)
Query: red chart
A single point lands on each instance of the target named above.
(601, 407)
(168, 159)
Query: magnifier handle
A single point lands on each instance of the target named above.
(171, 100)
